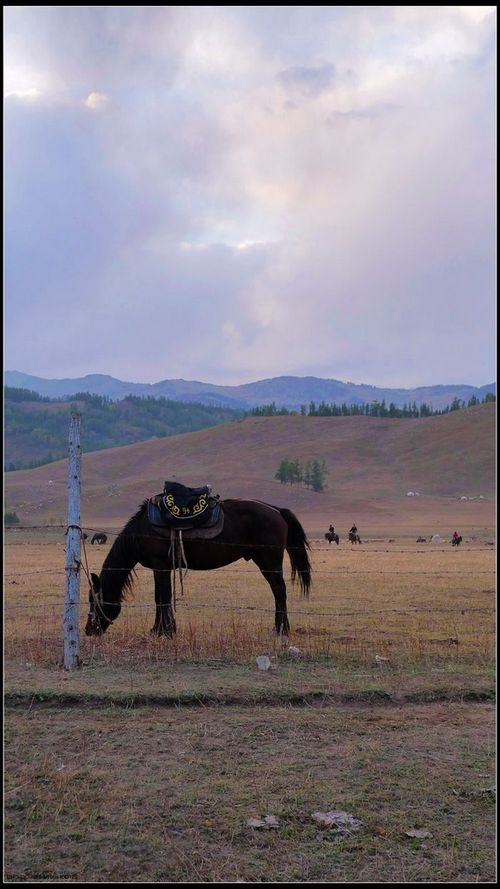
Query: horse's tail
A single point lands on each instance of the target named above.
(297, 547)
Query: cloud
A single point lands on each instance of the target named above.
(29, 95)
(308, 81)
(96, 101)
(257, 199)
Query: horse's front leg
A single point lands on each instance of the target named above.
(164, 624)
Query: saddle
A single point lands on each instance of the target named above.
(181, 508)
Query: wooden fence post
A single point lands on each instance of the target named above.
(71, 616)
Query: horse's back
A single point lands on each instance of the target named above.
(254, 515)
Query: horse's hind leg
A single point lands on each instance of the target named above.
(277, 583)
(164, 624)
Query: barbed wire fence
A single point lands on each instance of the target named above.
(467, 611)
(76, 537)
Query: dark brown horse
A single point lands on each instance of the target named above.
(252, 530)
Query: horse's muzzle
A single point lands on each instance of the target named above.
(93, 627)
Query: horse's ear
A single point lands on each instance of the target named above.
(96, 583)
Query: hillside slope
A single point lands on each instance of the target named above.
(36, 432)
(372, 464)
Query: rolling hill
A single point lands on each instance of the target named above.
(287, 391)
(36, 432)
(372, 464)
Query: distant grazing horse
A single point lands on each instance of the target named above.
(457, 540)
(354, 538)
(421, 540)
(99, 537)
(252, 530)
(332, 537)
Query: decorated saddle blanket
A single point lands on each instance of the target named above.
(185, 508)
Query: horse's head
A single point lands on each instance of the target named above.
(97, 620)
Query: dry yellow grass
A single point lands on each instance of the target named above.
(101, 746)
(396, 600)
(155, 795)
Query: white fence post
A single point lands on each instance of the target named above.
(71, 616)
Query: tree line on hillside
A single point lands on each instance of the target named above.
(372, 409)
(38, 434)
(17, 394)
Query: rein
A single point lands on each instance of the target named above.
(96, 597)
(177, 548)
(79, 564)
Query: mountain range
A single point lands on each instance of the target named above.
(286, 391)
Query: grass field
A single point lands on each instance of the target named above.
(399, 600)
(161, 795)
(147, 762)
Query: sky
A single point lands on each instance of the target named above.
(229, 194)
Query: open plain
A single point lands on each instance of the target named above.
(147, 763)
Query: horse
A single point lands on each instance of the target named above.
(354, 538)
(252, 530)
(99, 537)
(332, 537)
(457, 540)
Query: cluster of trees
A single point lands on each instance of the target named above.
(36, 427)
(10, 518)
(312, 475)
(270, 410)
(373, 409)
(14, 394)
(37, 433)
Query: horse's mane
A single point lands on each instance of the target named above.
(120, 562)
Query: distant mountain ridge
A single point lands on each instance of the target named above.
(286, 391)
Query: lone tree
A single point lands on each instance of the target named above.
(289, 471)
(316, 475)
(282, 472)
